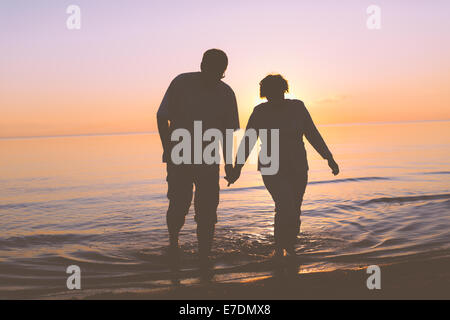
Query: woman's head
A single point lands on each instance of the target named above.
(273, 87)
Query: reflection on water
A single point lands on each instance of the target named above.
(99, 202)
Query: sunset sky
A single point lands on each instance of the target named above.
(110, 75)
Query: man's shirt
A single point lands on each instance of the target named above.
(190, 99)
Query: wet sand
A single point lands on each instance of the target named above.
(413, 280)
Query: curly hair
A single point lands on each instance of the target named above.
(273, 84)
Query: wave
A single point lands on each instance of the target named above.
(65, 203)
(435, 172)
(408, 198)
(314, 182)
(44, 239)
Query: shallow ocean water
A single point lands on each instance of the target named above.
(99, 202)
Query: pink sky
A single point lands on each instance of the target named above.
(111, 75)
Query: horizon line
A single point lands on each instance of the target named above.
(155, 131)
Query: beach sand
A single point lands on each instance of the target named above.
(413, 280)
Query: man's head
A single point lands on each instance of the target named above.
(214, 64)
(273, 87)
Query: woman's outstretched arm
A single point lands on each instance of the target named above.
(315, 138)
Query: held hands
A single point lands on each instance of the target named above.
(333, 166)
(232, 173)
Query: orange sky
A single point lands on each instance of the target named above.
(110, 75)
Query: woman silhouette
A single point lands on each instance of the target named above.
(288, 185)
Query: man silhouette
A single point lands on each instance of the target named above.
(196, 96)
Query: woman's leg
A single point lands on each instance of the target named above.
(283, 194)
(298, 183)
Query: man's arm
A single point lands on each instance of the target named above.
(231, 121)
(162, 117)
(163, 129)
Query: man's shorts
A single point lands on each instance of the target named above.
(181, 179)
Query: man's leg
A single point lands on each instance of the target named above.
(205, 237)
(179, 193)
(206, 201)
